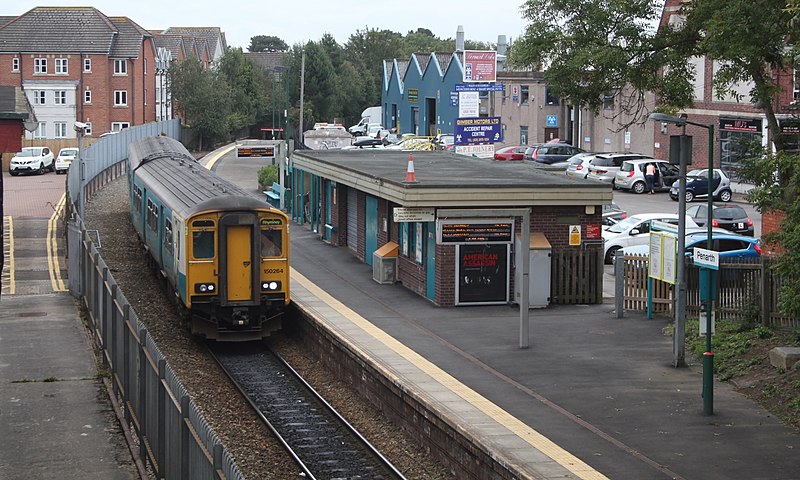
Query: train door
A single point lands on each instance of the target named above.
(239, 262)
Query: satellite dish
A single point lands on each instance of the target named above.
(31, 126)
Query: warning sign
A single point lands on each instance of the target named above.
(574, 234)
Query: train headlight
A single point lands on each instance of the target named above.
(204, 287)
(270, 285)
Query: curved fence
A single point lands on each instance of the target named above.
(174, 440)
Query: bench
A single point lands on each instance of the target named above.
(274, 194)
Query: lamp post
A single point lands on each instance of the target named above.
(708, 356)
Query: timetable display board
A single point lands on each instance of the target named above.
(498, 231)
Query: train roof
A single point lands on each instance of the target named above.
(172, 173)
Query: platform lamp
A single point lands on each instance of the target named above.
(708, 356)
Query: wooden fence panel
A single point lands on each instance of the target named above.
(576, 276)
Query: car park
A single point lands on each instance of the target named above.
(604, 166)
(634, 230)
(612, 213)
(65, 158)
(551, 153)
(730, 217)
(631, 175)
(513, 152)
(697, 185)
(32, 160)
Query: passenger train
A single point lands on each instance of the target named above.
(222, 252)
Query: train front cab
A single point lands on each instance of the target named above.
(238, 273)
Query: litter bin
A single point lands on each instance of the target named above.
(384, 264)
(539, 270)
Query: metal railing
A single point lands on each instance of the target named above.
(174, 440)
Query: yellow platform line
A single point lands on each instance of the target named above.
(523, 431)
(8, 247)
(56, 282)
(214, 157)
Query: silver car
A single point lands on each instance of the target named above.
(631, 175)
(578, 165)
(604, 166)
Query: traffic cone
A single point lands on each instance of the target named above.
(410, 175)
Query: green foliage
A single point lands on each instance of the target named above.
(268, 175)
(730, 342)
(267, 43)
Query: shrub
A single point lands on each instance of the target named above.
(267, 176)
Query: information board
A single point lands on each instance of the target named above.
(255, 151)
(475, 231)
(469, 131)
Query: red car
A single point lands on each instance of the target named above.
(514, 152)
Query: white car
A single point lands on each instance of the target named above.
(635, 230)
(65, 158)
(32, 160)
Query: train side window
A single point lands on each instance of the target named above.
(271, 243)
(152, 215)
(168, 237)
(137, 195)
(203, 244)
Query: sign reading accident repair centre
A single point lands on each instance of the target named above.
(469, 131)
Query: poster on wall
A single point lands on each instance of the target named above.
(482, 272)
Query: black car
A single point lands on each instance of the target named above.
(730, 217)
(551, 153)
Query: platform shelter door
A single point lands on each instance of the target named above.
(430, 261)
(370, 229)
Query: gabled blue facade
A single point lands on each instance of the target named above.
(417, 99)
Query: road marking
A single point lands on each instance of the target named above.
(51, 244)
(8, 251)
(523, 431)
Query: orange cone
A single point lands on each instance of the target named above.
(410, 175)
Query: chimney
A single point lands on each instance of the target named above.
(502, 45)
(460, 38)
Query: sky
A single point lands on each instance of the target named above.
(298, 21)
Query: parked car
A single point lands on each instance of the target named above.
(513, 152)
(65, 158)
(730, 217)
(631, 175)
(612, 213)
(697, 185)
(729, 245)
(32, 160)
(550, 153)
(445, 141)
(604, 166)
(578, 165)
(635, 230)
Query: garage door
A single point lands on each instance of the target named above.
(352, 219)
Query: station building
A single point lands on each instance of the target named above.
(448, 227)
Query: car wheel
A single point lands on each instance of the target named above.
(610, 254)
(53, 167)
(13, 173)
(638, 187)
(689, 196)
(41, 169)
(725, 196)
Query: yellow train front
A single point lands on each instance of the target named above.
(222, 252)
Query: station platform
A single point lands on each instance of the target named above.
(592, 397)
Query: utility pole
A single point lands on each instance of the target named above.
(302, 89)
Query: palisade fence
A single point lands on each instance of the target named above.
(174, 440)
(747, 291)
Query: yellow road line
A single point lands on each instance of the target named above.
(56, 282)
(12, 286)
(214, 158)
(526, 433)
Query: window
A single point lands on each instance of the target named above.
(524, 95)
(152, 215)
(120, 67)
(144, 67)
(523, 135)
(168, 245)
(137, 193)
(87, 96)
(61, 129)
(271, 243)
(87, 64)
(38, 97)
(117, 126)
(608, 101)
(60, 97)
(549, 97)
(39, 65)
(41, 130)
(61, 66)
(203, 243)
(15, 64)
(120, 98)
(88, 129)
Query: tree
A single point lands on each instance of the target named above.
(267, 43)
(591, 47)
(203, 99)
(247, 86)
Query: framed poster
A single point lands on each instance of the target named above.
(482, 272)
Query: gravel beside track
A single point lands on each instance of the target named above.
(257, 454)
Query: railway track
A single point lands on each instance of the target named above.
(323, 444)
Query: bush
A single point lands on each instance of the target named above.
(267, 176)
